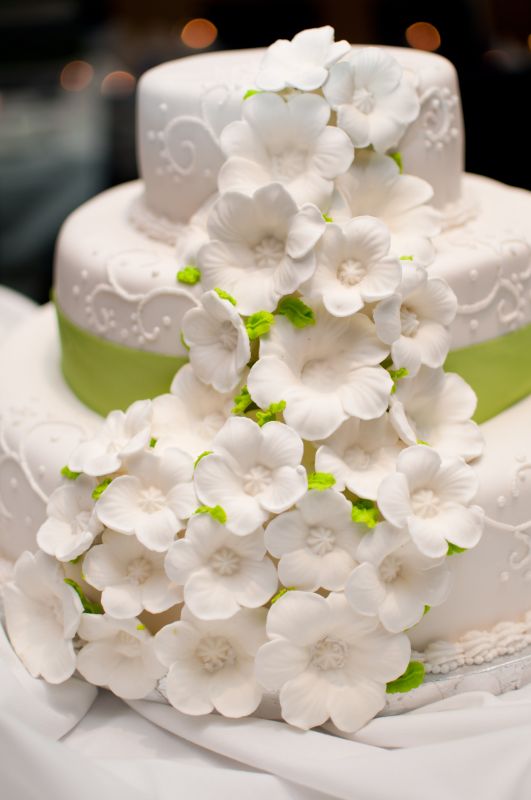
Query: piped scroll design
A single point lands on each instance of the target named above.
(439, 118)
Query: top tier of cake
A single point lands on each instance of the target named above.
(183, 106)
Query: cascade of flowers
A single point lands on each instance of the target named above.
(281, 517)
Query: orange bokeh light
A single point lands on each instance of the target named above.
(199, 33)
(423, 36)
(118, 83)
(76, 76)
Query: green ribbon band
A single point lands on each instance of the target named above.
(105, 375)
(499, 371)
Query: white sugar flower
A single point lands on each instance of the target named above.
(288, 141)
(152, 500)
(211, 663)
(301, 63)
(218, 342)
(131, 577)
(354, 266)
(431, 499)
(252, 473)
(262, 248)
(435, 408)
(119, 654)
(328, 661)
(42, 616)
(191, 415)
(360, 454)
(316, 543)
(71, 525)
(374, 186)
(374, 99)
(121, 435)
(395, 581)
(221, 572)
(415, 320)
(325, 373)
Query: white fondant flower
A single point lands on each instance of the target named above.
(191, 415)
(119, 654)
(373, 97)
(328, 661)
(359, 455)
(435, 407)
(316, 543)
(288, 141)
(354, 266)
(211, 663)
(262, 248)
(152, 500)
(395, 581)
(130, 577)
(218, 342)
(71, 525)
(301, 63)
(42, 617)
(415, 320)
(253, 472)
(221, 572)
(121, 435)
(325, 373)
(431, 498)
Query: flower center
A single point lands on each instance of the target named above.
(320, 374)
(425, 503)
(127, 645)
(225, 561)
(139, 570)
(228, 335)
(329, 653)
(214, 652)
(409, 321)
(289, 164)
(357, 458)
(390, 569)
(350, 272)
(257, 480)
(268, 252)
(364, 100)
(151, 500)
(321, 540)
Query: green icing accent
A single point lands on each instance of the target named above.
(397, 158)
(365, 512)
(70, 474)
(259, 323)
(153, 441)
(421, 441)
(183, 341)
(454, 549)
(105, 375)
(140, 627)
(406, 258)
(89, 606)
(216, 512)
(270, 414)
(100, 488)
(202, 455)
(299, 314)
(76, 560)
(251, 93)
(412, 677)
(281, 593)
(397, 375)
(225, 296)
(426, 609)
(189, 275)
(321, 481)
(242, 401)
(327, 218)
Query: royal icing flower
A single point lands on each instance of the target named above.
(316, 542)
(71, 524)
(327, 661)
(118, 654)
(431, 499)
(131, 577)
(325, 373)
(252, 473)
(360, 454)
(42, 616)
(261, 248)
(191, 415)
(221, 572)
(218, 342)
(301, 63)
(394, 580)
(373, 98)
(122, 435)
(415, 320)
(287, 141)
(211, 663)
(354, 267)
(436, 407)
(152, 500)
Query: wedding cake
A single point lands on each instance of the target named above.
(327, 494)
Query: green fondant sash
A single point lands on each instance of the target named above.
(105, 375)
(499, 371)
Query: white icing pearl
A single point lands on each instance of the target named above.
(84, 273)
(140, 340)
(473, 275)
(151, 135)
(504, 577)
(13, 483)
(166, 321)
(75, 291)
(501, 501)
(474, 324)
(163, 106)
(439, 146)
(28, 520)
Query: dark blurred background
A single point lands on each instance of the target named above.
(68, 70)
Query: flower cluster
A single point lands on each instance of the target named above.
(282, 516)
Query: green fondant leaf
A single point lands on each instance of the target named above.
(281, 593)
(258, 324)
(397, 158)
(89, 606)
(426, 609)
(366, 512)
(454, 549)
(299, 314)
(202, 455)
(225, 296)
(183, 342)
(153, 441)
(421, 441)
(321, 481)
(270, 414)
(242, 401)
(412, 677)
(397, 375)
(189, 275)
(251, 93)
(140, 627)
(327, 218)
(69, 473)
(216, 512)
(100, 488)
(76, 560)
(406, 258)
